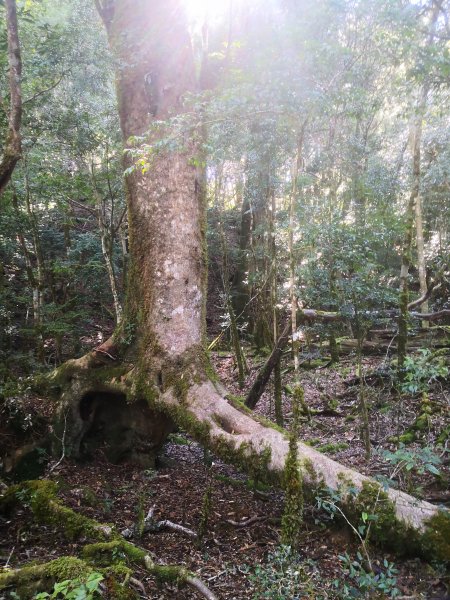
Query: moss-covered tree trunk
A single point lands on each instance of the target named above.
(12, 147)
(156, 371)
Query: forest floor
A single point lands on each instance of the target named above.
(244, 520)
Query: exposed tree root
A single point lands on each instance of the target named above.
(194, 402)
(40, 496)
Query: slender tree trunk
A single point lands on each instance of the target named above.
(36, 277)
(12, 150)
(410, 211)
(234, 332)
(107, 251)
(277, 383)
(261, 312)
(240, 287)
(421, 264)
(107, 235)
(292, 256)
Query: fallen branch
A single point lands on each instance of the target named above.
(151, 525)
(434, 316)
(138, 584)
(180, 574)
(434, 285)
(310, 314)
(165, 524)
(40, 496)
(263, 376)
(201, 588)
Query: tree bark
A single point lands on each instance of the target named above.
(240, 286)
(264, 374)
(421, 264)
(12, 149)
(412, 209)
(164, 374)
(277, 381)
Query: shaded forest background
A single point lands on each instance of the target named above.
(346, 78)
(325, 137)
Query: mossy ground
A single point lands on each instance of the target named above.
(178, 492)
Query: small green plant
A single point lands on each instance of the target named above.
(75, 589)
(118, 555)
(281, 577)
(328, 500)
(421, 370)
(420, 461)
(364, 582)
(179, 440)
(150, 474)
(23, 496)
(129, 333)
(13, 407)
(407, 462)
(108, 504)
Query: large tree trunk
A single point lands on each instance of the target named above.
(156, 371)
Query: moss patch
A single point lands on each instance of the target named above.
(40, 496)
(42, 576)
(388, 531)
(105, 553)
(436, 540)
(239, 404)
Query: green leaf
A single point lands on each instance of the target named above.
(432, 469)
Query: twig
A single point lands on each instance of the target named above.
(106, 353)
(150, 524)
(363, 545)
(201, 588)
(9, 557)
(138, 584)
(175, 527)
(247, 522)
(216, 576)
(49, 89)
(63, 444)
